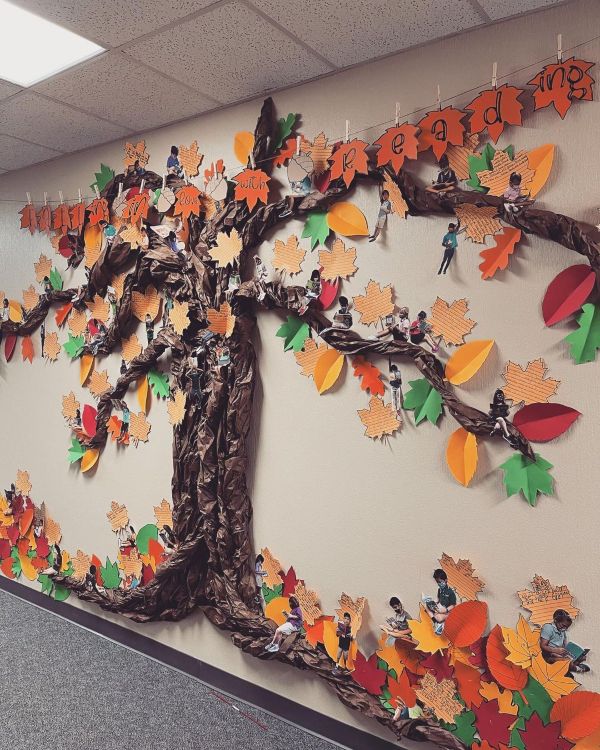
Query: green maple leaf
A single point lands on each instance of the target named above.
(74, 346)
(521, 474)
(103, 177)
(515, 736)
(463, 727)
(55, 280)
(586, 339)
(316, 227)
(424, 400)
(75, 452)
(269, 594)
(159, 382)
(110, 575)
(46, 582)
(16, 566)
(285, 125)
(295, 332)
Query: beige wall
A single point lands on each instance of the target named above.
(386, 512)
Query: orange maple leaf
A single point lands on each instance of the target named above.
(562, 83)
(527, 384)
(496, 258)
(61, 221)
(44, 219)
(27, 349)
(77, 215)
(494, 109)
(396, 145)
(251, 186)
(380, 419)
(285, 153)
(28, 218)
(190, 159)
(188, 202)
(370, 376)
(441, 128)
(448, 320)
(338, 261)
(136, 152)
(98, 209)
(348, 159)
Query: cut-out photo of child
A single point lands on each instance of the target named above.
(385, 209)
(555, 644)
(446, 179)
(397, 625)
(292, 624)
(446, 601)
(420, 331)
(345, 637)
(259, 574)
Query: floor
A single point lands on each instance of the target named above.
(65, 687)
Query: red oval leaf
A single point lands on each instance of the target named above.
(9, 346)
(64, 247)
(329, 290)
(321, 181)
(567, 292)
(543, 422)
(88, 420)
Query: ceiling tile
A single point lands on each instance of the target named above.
(49, 123)
(121, 89)
(15, 154)
(7, 88)
(503, 8)
(233, 60)
(113, 22)
(339, 30)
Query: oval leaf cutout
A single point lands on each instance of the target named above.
(567, 292)
(15, 311)
(348, 220)
(9, 346)
(467, 360)
(540, 160)
(328, 369)
(543, 422)
(90, 459)
(88, 420)
(85, 367)
(243, 143)
(329, 290)
(466, 623)
(142, 393)
(578, 713)
(461, 456)
(506, 674)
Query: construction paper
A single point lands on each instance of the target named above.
(399, 205)
(243, 143)
(531, 478)
(56, 280)
(567, 293)
(190, 159)
(118, 284)
(370, 376)
(528, 385)
(44, 219)
(542, 422)
(461, 577)
(562, 83)
(221, 321)
(461, 456)
(319, 151)
(131, 348)
(74, 346)
(22, 483)
(27, 351)
(328, 369)
(478, 221)
(543, 599)
(75, 452)
(440, 697)
(375, 304)
(540, 160)
(118, 516)
(401, 690)
(62, 245)
(135, 236)
(397, 144)
(469, 684)
(93, 239)
(424, 400)
(163, 514)
(29, 218)
(578, 714)
(349, 159)
(139, 427)
(227, 249)
(491, 691)
(272, 568)
(294, 332)
(274, 609)
(86, 365)
(458, 156)
(495, 108)
(130, 564)
(522, 645)
(307, 357)
(464, 730)
(288, 256)
(441, 128)
(51, 346)
(9, 346)
(424, 635)
(251, 185)
(285, 127)
(367, 673)
(309, 603)
(466, 623)
(439, 665)
(30, 298)
(113, 427)
(15, 311)
(165, 200)
(492, 725)
(552, 677)
(346, 219)
(159, 382)
(103, 177)
(329, 290)
(137, 207)
(355, 607)
(496, 258)
(62, 313)
(88, 420)
(98, 383)
(77, 213)
(42, 268)
(505, 673)
(146, 303)
(379, 419)
(316, 228)
(179, 316)
(70, 405)
(135, 152)
(497, 178)
(188, 202)
(99, 308)
(89, 459)
(98, 211)
(586, 340)
(449, 321)
(468, 360)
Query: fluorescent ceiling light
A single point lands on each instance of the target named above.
(33, 49)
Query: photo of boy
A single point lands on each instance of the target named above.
(446, 601)
(344, 636)
(396, 626)
(173, 165)
(343, 317)
(385, 209)
(446, 179)
(396, 387)
(449, 243)
(555, 644)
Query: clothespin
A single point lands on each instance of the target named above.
(185, 177)
(252, 162)
(60, 197)
(298, 140)
(494, 74)
(79, 194)
(164, 182)
(120, 189)
(439, 97)
(45, 199)
(97, 191)
(142, 185)
(28, 198)
(397, 114)
(347, 131)
(559, 48)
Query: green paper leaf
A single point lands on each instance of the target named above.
(294, 332)
(483, 161)
(538, 701)
(103, 177)
(424, 400)
(316, 227)
(111, 578)
(586, 339)
(47, 583)
(60, 593)
(69, 570)
(515, 738)
(144, 535)
(55, 280)
(521, 474)
(285, 125)
(16, 566)
(159, 382)
(75, 452)
(74, 346)
(155, 196)
(269, 593)
(463, 727)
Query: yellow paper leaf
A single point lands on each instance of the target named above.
(51, 346)
(77, 322)
(221, 321)
(99, 308)
(118, 284)
(135, 235)
(309, 603)
(354, 607)
(42, 268)
(308, 356)
(440, 697)
(190, 159)
(478, 221)
(337, 262)
(243, 143)
(99, 383)
(553, 677)
(492, 691)
(458, 156)
(449, 321)
(390, 655)
(319, 152)
(89, 460)
(178, 315)
(15, 311)
(272, 568)
(380, 419)
(328, 369)
(92, 241)
(461, 455)
(540, 160)
(142, 391)
(131, 348)
(497, 178)
(81, 565)
(176, 407)
(528, 385)
(346, 219)
(22, 483)
(428, 641)
(544, 599)
(139, 427)
(522, 645)
(467, 360)
(30, 298)
(86, 364)
(163, 514)
(288, 255)
(70, 405)
(52, 530)
(147, 303)
(227, 249)
(461, 577)
(375, 304)
(118, 516)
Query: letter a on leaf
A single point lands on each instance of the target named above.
(461, 456)
(440, 129)
(380, 419)
(496, 258)
(494, 109)
(349, 159)
(521, 474)
(397, 144)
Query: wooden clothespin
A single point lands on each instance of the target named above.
(45, 199)
(252, 162)
(164, 182)
(439, 97)
(28, 198)
(60, 197)
(97, 191)
(79, 194)
(494, 74)
(559, 50)
(397, 114)
(347, 131)
(142, 185)
(185, 177)
(298, 141)
(120, 189)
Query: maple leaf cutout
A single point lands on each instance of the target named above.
(44, 219)
(30, 298)
(77, 322)
(29, 218)
(272, 568)
(190, 159)
(375, 304)
(478, 221)
(370, 376)
(52, 530)
(227, 249)
(309, 603)
(131, 564)
(560, 84)
(288, 256)
(118, 515)
(348, 160)
(553, 677)
(492, 691)
(440, 129)
(135, 236)
(27, 350)
(308, 356)
(118, 284)
(397, 144)
(319, 152)
(99, 308)
(61, 221)
(98, 383)
(136, 207)
(81, 565)
(98, 210)
(178, 315)
(440, 697)
(544, 598)
(522, 644)
(188, 202)
(428, 641)
(458, 156)
(503, 102)
(449, 321)
(337, 262)
(528, 385)
(42, 268)
(221, 321)
(131, 348)
(77, 215)
(176, 407)
(139, 427)
(70, 405)
(136, 152)
(497, 178)
(399, 205)
(51, 346)
(146, 303)
(251, 186)
(355, 608)
(380, 419)
(22, 483)
(496, 258)
(461, 577)
(163, 514)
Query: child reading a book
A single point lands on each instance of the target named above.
(555, 644)
(292, 624)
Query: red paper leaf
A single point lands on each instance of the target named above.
(42, 547)
(4, 549)
(560, 84)
(543, 422)
(505, 673)
(9, 346)
(493, 726)
(62, 313)
(64, 247)
(536, 735)
(396, 145)
(439, 665)
(12, 532)
(348, 159)
(402, 689)
(496, 258)
(367, 673)
(289, 582)
(329, 290)
(28, 218)
(495, 108)
(27, 349)
(370, 376)
(88, 420)
(441, 128)
(6, 567)
(147, 574)
(468, 680)
(321, 181)
(567, 292)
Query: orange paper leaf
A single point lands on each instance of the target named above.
(28, 218)
(461, 456)
(251, 186)
(348, 159)
(99, 383)
(30, 298)
(118, 516)
(478, 221)
(468, 360)
(309, 603)
(147, 303)
(137, 207)
(578, 713)
(495, 108)
(289, 255)
(308, 356)
(375, 304)
(458, 156)
(51, 346)
(42, 268)
(370, 376)
(397, 144)
(179, 316)
(86, 364)
(461, 577)
(328, 369)
(272, 568)
(221, 321)
(496, 258)
(70, 405)
(354, 607)
(139, 427)
(136, 152)
(131, 348)
(562, 83)
(466, 623)
(440, 697)
(544, 598)
(441, 128)
(163, 514)
(319, 152)
(346, 219)
(399, 205)
(227, 249)
(99, 308)
(176, 407)
(337, 262)
(497, 179)
(27, 349)
(98, 210)
(190, 159)
(188, 202)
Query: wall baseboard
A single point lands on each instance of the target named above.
(295, 713)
